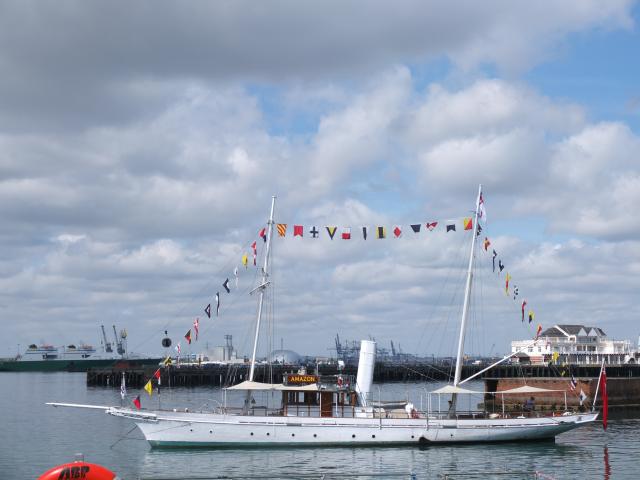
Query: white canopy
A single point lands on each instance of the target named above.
(247, 385)
(528, 389)
(452, 389)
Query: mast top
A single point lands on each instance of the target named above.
(262, 287)
(467, 292)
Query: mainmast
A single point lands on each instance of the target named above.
(262, 287)
(465, 306)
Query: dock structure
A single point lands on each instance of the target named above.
(193, 375)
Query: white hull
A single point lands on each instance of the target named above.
(176, 429)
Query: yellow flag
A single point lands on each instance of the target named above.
(245, 259)
(555, 356)
(149, 388)
(167, 361)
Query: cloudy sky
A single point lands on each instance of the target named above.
(140, 145)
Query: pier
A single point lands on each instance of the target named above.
(193, 375)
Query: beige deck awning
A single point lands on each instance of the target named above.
(528, 389)
(247, 385)
(447, 389)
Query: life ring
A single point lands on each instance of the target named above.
(339, 382)
(80, 471)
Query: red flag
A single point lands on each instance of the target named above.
(157, 374)
(538, 331)
(188, 336)
(605, 398)
(486, 243)
(263, 234)
(136, 402)
(196, 326)
(524, 304)
(298, 230)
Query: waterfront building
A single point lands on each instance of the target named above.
(573, 344)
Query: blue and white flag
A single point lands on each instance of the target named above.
(583, 396)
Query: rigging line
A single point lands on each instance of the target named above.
(124, 437)
(233, 369)
(478, 310)
(249, 328)
(180, 311)
(526, 326)
(269, 320)
(448, 280)
(233, 301)
(554, 367)
(459, 290)
(479, 341)
(272, 326)
(428, 377)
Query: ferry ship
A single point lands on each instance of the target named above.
(72, 358)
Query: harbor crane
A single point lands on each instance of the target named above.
(120, 341)
(107, 344)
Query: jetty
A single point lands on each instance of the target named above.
(193, 375)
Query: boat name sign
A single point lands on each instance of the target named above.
(298, 379)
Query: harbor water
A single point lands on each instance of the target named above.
(35, 437)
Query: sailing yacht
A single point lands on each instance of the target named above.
(339, 410)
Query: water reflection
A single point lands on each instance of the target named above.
(607, 467)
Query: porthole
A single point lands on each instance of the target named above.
(252, 434)
(314, 435)
(293, 434)
(411, 436)
(210, 431)
(191, 429)
(373, 436)
(353, 436)
(267, 434)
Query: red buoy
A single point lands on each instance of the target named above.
(78, 471)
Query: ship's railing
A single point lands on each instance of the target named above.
(315, 411)
(478, 414)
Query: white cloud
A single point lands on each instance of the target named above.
(497, 161)
(489, 107)
(356, 136)
(62, 78)
(594, 179)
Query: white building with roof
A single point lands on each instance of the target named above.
(573, 344)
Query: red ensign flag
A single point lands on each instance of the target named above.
(605, 398)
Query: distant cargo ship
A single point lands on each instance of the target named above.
(72, 358)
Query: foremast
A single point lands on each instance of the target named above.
(261, 288)
(465, 305)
